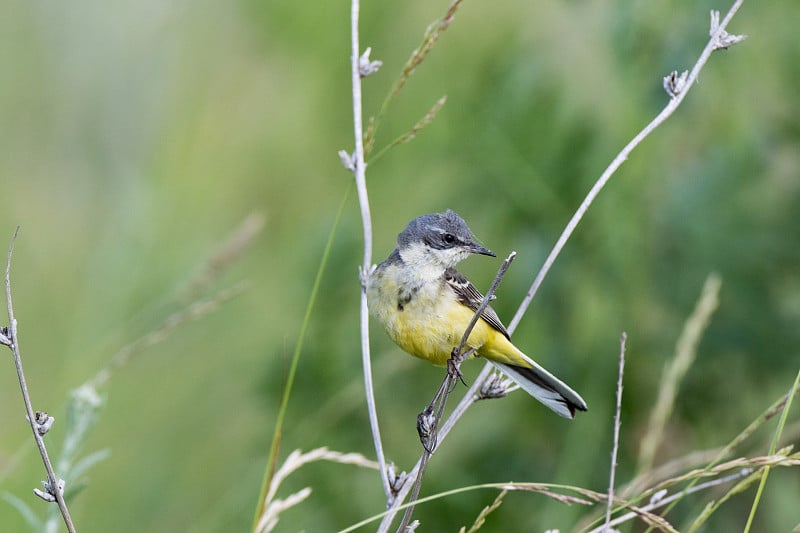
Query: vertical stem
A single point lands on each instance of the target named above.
(618, 415)
(52, 479)
(366, 220)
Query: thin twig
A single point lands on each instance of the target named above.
(420, 471)
(669, 469)
(586, 496)
(623, 339)
(675, 101)
(54, 487)
(366, 221)
(469, 398)
(451, 377)
(777, 407)
(486, 299)
(541, 488)
(656, 503)
(669, 109)
(664, 477)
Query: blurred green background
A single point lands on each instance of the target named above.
(137, 135)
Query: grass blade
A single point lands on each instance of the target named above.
(272, 459)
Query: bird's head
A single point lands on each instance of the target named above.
(438, 241)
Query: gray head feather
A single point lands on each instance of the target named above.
(431, 229)
(441, 231)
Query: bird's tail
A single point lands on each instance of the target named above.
(545, 387)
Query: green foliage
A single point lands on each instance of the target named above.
(138, 134)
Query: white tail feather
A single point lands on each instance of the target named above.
(546, 388)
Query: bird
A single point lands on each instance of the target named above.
(425, 305)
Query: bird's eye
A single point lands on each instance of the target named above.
(449, 238)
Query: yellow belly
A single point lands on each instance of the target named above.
(432, 322)
(433, 336)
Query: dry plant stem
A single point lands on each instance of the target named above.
(669, 499)
(471, 395)
(486, 299)
(665, 113)
(422, 465)
(366, 221)
(669, 469)
(432, 34)
(777, 407)
(437, 405)
(274, 507)
(52, 479)
(461, 408)
(710, 458)
(623, 339)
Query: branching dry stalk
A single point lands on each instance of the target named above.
(747, 471)
(85, 401)
(273, 507)
(40, 422)
(359, 168)
(362, 67)
(661, 499)
(677, 93)
(709, 458)
(432, 35)
(719, 39)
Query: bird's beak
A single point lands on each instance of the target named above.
(475, 248)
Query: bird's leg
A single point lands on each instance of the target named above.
(454, 366)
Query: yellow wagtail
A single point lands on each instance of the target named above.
(425, 304)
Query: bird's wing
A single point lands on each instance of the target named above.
(468, 295)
